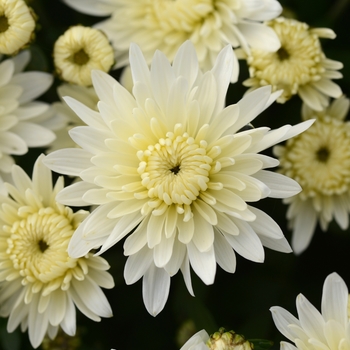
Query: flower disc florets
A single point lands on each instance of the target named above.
(169, 162)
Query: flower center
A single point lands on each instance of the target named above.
(323, 154)
(282, 54)
(319, 158)
(37, 247)
(81, 57)
(298, 62)
(4, 24)
(174, 170)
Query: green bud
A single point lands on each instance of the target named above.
(222, 340)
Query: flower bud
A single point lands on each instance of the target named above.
(222, 340)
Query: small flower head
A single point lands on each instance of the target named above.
(222, 340)
(17, 24)
(319, 160)
(170, 161)
(80, 50)
(328, 329)
(165, 25)
(298, 67)
(39, 282)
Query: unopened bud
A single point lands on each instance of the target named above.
(222, 340)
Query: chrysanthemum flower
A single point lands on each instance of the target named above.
(23, 122)
(80, 50)
(165, 25)
(17, 26)
(39, 282)
(319, 160)
(169, 162)
(83, 94)
(298, 67)
(314, 330)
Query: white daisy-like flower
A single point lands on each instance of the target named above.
(80, 50)
(84, 94)
(169, 161)
(329, 329)
(165, 25)
(319, 160)
(39, 282)
(17, 26)
(23, 122)
(298, 67)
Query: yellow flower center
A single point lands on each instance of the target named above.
(37, 247)
(319, 158)
(81, 57)
(296, 63)
(174, 170)
(4, 24)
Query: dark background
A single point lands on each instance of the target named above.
(239, 301)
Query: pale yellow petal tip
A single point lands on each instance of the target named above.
(80, 50)
(17, 25)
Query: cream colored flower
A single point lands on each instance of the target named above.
(165, 25)
(17, 26)
(80, 50)
(40, 285)
(314, 330)
(169, 160)
(83, 94)
(23, 122)
(298, 67)
(319, 160)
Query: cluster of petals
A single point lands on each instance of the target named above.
(40, 285)
(23, 122)
(165, 25)
(171, 162)
(328, 329)
(319, 160)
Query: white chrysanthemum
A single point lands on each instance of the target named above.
(80, 50)
(83, 94)
(39, 282)
(17, 26)
(329, 329)
(298, 67)
(170, 161)
(319, 160)
(165, 25)
(23, 122)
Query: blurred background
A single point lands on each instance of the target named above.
(239, 301)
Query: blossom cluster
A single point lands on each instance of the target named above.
(169, 165)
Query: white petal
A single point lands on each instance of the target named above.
(310, 319)
(283, 319)
(137, 265)
(335, 299)
(155, 289)
(247, 243)
(225, 256)
(91, 7)
(280, 185)
(186, 273)
(69, 161)
(203, 263)
(303, 227)
(259, 36)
